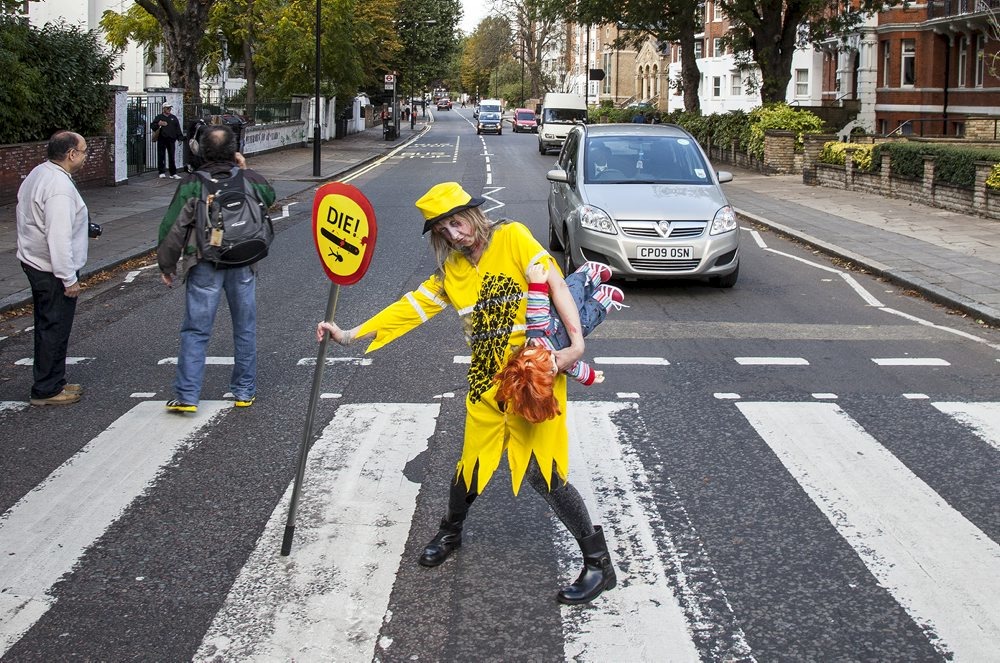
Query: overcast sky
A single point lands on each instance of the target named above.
(474, 11)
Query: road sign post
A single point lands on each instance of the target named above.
(344, 232)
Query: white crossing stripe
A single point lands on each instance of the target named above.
(13, 405)
(642, 619)
(326, 601)
(942, 569)
(30, 361)
(43, 535)
(982, 418)
(771, 361)
(333, 361)
(209, 361)
(910, 361)
(632, 361)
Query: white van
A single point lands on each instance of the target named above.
(560, 111)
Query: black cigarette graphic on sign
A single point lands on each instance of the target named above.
(340, 242)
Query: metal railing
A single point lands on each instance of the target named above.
(943, 8)
(906, 127)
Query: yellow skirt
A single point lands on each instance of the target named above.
(488, 432)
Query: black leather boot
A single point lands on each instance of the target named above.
(449, 537)
(597, 575)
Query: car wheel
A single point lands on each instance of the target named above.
(478, 132)
(568, 266)
(554, 242)
(499, 132)
(541, 148)
(727, 281)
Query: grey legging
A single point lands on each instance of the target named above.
(563, 499)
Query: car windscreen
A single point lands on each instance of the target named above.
(489, 108)
(644, 160)
(564, 115)
(489, 117)
(526, 115)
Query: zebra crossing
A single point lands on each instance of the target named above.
(332, 598)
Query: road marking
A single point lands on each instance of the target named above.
(209, 361)
(632, 361)
(642, 617)
(29, 361)
(982, 418)
(824, 396)
(910, 361)
(45, 533)
(914, 397)
(13, 406)
(333, 361)
(142, 394)
(957, 332)
(327, 600)
(771, 361)
(942, 569)
(330, 395)
(723, 396)
(627, 394)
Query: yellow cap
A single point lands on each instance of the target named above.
(443, 200)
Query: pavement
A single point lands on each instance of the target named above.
(950, 258)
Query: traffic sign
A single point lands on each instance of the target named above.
(597, 74)
(344, 231)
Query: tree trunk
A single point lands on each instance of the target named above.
(690, 74)
(250, 71)
(773, 48)
(182, 34)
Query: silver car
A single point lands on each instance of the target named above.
(644, 199)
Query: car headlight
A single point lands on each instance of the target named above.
(724, 221)
(593, 218)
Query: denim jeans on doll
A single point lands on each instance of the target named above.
(204, 288)
(592, 312)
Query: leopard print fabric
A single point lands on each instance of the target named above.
(491, 323)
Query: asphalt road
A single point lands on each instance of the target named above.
(802, 467)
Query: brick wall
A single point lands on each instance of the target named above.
(779, 151)
(16, 161)
(982, 128)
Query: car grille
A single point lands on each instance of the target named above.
(665, 265)
(676, 230)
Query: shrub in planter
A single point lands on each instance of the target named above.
(993, 181)
(835, 152)
(777, 116)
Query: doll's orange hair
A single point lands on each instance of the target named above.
(526, 384)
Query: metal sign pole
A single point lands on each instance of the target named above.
(331, 309)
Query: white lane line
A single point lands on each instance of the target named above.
(869, 298)
(982, 418)
(330, 395)
(943, 570)
(333, 361)
(327, 600)
(914, 397)
(910, 361)
(29, 361)
(726, 396)
(824, 268)
(462, 359)
(488, 194)
(45, 533)
(142, 394)
(632, 361)
(957, 332)
(209, 361)
(284, 211)
(13, 406)
(771, 361)
(648, 616)
(824, 396)
(627, 394)
(756, 237)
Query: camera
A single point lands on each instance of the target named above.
(94, 230)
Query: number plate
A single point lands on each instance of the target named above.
(665, 252)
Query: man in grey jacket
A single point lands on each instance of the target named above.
(52, 225)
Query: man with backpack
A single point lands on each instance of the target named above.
(217, 227)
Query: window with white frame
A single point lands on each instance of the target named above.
(699, 48)
(716, 11)
(908, 67)
(980, 58)
(716, 86)
(736, 85)
(717, 47)
(607, 73)
(885, 63)
(801, 82)
(963, 61)
(157, 63)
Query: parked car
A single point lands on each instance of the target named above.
(645, 200)
(524, 120)
(444, 103)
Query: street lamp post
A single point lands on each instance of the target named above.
(316, 159)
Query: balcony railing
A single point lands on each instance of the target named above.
(944, 8)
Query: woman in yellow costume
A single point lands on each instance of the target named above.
(482, 272)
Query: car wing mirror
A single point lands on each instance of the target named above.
(724, 176)
(557, 175)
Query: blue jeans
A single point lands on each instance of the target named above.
(592, 312)
(204, 288)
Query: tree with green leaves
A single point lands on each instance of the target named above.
(182, 25)
(641, 20)
(55, 77)
(427, 32)
(770, 31)
(535, 30)
(486, 49)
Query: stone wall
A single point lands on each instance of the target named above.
(982, 128)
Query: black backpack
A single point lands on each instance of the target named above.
(232, 227)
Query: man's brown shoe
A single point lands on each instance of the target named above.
(62, 398)
(73, 388)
